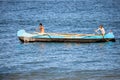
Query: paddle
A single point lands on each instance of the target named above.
(103, 36)
(43, 34)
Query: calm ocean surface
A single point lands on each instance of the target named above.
(59, 61)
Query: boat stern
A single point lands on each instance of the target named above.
(110, 36)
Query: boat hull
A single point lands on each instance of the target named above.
(55, 37)
(23, 39)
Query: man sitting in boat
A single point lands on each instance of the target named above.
(41, 27)
(101, 29)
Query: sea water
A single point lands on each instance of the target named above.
(54, 60)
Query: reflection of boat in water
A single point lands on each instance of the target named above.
(57, 37)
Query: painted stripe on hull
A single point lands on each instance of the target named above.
(25, 39)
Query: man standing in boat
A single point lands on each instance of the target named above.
(41, 27)
(101, 28)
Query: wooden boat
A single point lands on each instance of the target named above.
(57, 37)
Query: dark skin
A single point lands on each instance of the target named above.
(41, 29)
